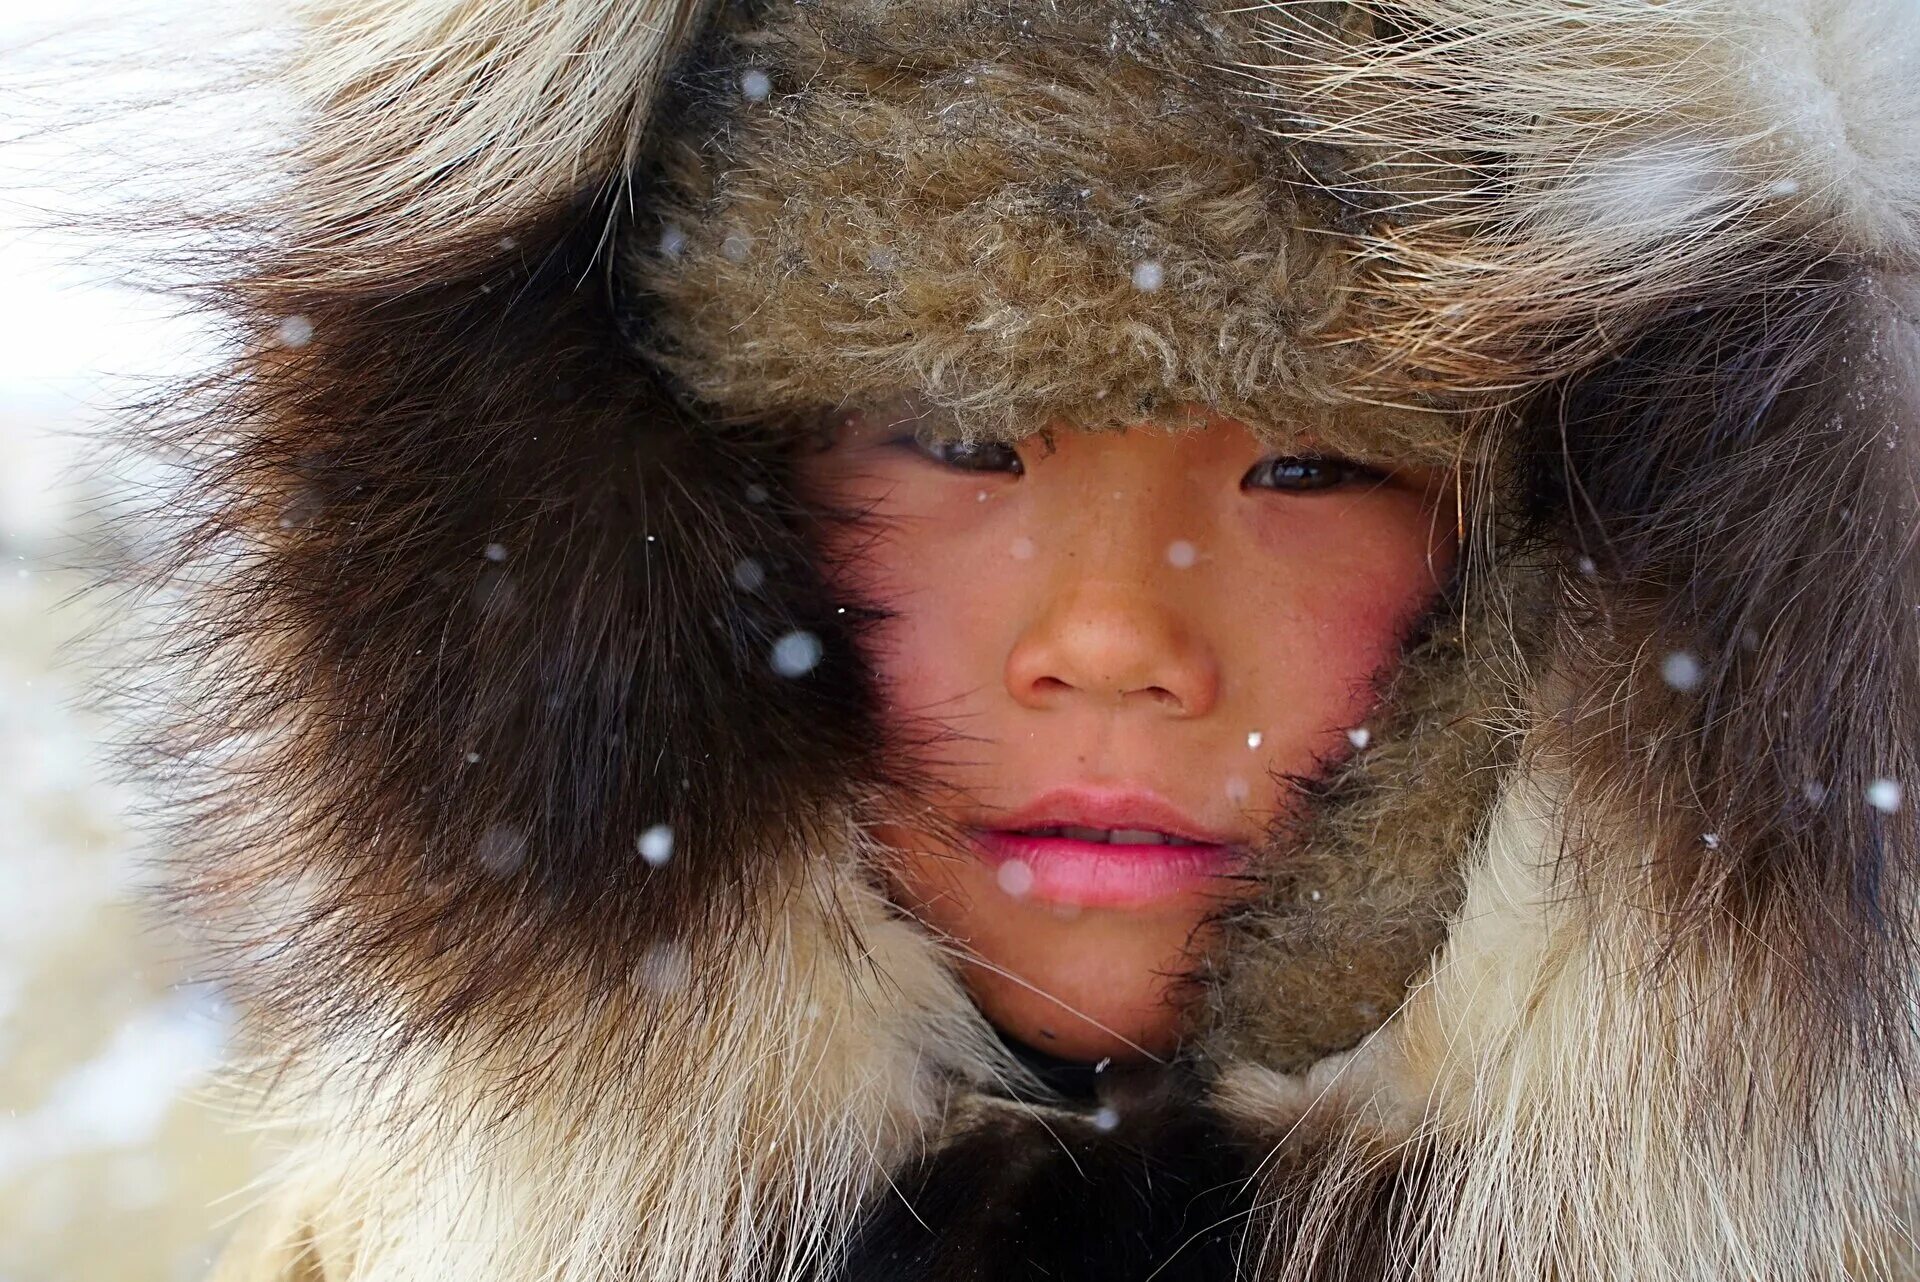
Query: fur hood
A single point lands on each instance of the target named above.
(520, 766)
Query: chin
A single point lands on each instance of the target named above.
(1085, 995)
(1138, 1026)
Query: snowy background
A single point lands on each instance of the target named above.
(114, 1162)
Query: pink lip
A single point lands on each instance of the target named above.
(1094, 874)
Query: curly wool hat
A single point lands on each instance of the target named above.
(1021, 214)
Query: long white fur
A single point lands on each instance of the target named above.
(434, 123)
(730, 1137)
(1638, 147)
(1601, 1115)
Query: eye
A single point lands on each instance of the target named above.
(1305, 474)
(979, 456)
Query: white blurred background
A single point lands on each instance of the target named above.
(113, 1162)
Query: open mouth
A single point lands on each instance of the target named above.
(1105, 847)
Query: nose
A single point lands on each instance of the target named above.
(1105, 641)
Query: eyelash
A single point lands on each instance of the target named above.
(1335, 473)
(935, 451)
(1309, 473)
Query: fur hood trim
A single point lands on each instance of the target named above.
(467, 640)
(445, 125)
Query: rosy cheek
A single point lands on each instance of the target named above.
(933, 652)
(1340, 588)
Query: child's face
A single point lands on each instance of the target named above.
(1141, 631)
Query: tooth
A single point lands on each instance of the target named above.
(1083, 834)
(1138, 837)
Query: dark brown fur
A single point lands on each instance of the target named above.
(1742, 476)
(607, 671)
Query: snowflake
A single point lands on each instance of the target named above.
(501, 850)
(748, 574)
(1680, 670)
(796, 654)
(1015, 878)
(656, 845)
(1884, 795)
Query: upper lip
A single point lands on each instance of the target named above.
(1108, 808)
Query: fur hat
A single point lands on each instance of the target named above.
(545, 887)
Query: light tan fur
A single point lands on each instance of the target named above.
(1602, 1110)
(959, 204)
(438, 125)
(1627, 152)
(727, 1122)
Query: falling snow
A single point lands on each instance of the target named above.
(1181, 554)
(1014, 877)
(495, 552)
(736, 247)
(1680, 670)
(656, 845)
(1022, 549)
(1148, 275)
(749, 574)
(1884, 795)
(1237, 790)
(1105, 1118)
(501, 850)
(1253, 739)
(294, 331)
(796, 654)
(664, 968)
(755, 85)
(673, 241)
(1359, 736)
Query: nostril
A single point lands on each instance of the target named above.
(1160, 695)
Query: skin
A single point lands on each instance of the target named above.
(1043, 619)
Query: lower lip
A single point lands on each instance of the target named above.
(1096, 874)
